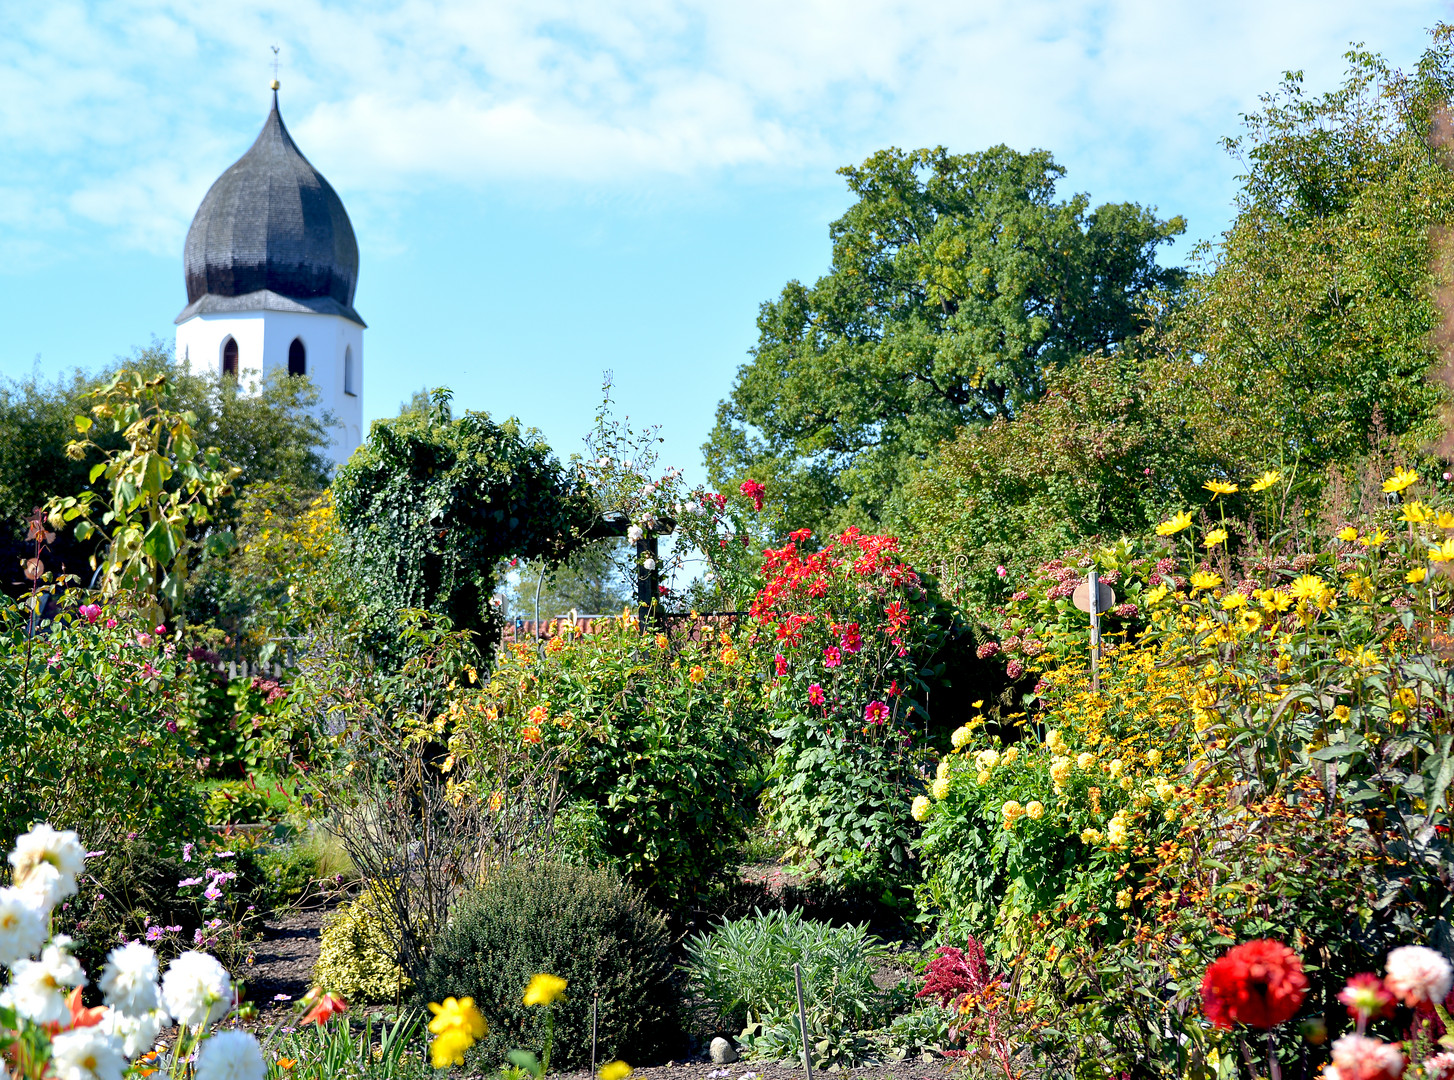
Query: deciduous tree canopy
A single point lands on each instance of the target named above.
(959, 283)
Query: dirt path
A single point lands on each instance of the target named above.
(283, 962)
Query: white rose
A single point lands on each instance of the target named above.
(22, 928)
(87, 1054)
(138, 1033)
(46, 863)
(1417, 974)
(196, 989)
(634, 534)
(36, 989)
(231, 1055)
(129, 979)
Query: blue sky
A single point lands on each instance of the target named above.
(544, 190)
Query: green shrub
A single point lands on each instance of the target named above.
(358, 958)
(742, 974)
(663, 737)
(585, 926)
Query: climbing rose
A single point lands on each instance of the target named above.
(754, 491)
(90, 612)
(1258, 983)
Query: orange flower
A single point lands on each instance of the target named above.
(286, 1064)
(539, 715)
(530, 733)
(324, 1009)
(698, 675)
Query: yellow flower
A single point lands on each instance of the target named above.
(1119, 831)
(1234, 600)
(1408, 697)
(1250, 621)
(1400, 480)
(982, 777)
(1220, 487)
(616, 1070)
(919, 808)
(1060, 772)
(729, 656)
(1153, 758)
(662, 641)
(960, 738)
(1116, 768)
(1009, 756)
(987, 759)
(1275, 601)
(1416, 575)
(448, 1049)
(1442, 553)
(1347, 534)
(1341, 713)
(1201, 581)
(1266, 480)
(1360, 587)
(1215, 537)
(1010, 813)
(1035, 810)
(1445, 520)
(943, 770)
(1085, 760)
(698, 674)
(1310, 587)
(941, 788)
(457, 1024)
(1416, 513)
(1173, 525)
(1054, 742)
(1123, 899)
(544, 989)
(1156, 595)
(1374, 539)
(1090, 836)
(539, 715)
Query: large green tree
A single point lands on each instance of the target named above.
(959, 284)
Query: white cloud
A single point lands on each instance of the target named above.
(119, 114)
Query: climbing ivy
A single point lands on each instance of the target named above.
(431, 505)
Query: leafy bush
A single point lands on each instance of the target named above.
(855, 637)
(358, 957)
(92, 737)
(661, 743)
(584, 926)
(742, 972)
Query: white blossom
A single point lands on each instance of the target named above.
(137, 1032)
(1417, 974)
(87, 1053)
(231, 1055)
(36, 986)
(46, 863)
(129, 979)
(22, 928)
(196, 989)
(634, 534)
(648, 564)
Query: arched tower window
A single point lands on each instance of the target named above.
(229, 357)
(297, 358)
(350, 372)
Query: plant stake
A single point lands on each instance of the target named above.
(803, 1020)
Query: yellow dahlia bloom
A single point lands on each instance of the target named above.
(960, 738)
(941, 789)
(616, 1070)
(1085, 760)
(919, 808)
(1400, 480)
(544, 989)
(1035, 810)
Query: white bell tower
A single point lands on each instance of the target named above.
(271, 265)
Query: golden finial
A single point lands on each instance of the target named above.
(275, 84)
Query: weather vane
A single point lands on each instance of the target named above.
(276, 84)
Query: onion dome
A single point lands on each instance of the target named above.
(271, 235)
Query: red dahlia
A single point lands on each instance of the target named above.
(1258, 983)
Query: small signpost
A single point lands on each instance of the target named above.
(1094, 596)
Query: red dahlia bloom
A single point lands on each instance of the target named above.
(1258, 983)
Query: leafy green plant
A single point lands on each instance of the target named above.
(376, 1048)
(357, 958)
(742, 974)
(584, 926)
(164, 491)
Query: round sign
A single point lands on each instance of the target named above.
(1105, 597)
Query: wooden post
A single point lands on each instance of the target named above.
(1095, 635)
(595, 1002)
(803, 1021)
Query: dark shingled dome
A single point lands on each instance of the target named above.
(271, 230)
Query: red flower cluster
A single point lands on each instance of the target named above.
(1258, 983)
(953, 973)
(793, 578)
(754, 491)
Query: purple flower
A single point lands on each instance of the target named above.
(154, 933)
(185, 882)
(161, 629)
(174, 929)
(90, 612)
(213, 893)
(282, 997)
(94, 854)
(187, 852)
(171, 725)
(110, 624)
(1000, 571)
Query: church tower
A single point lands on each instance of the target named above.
(271, 265)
